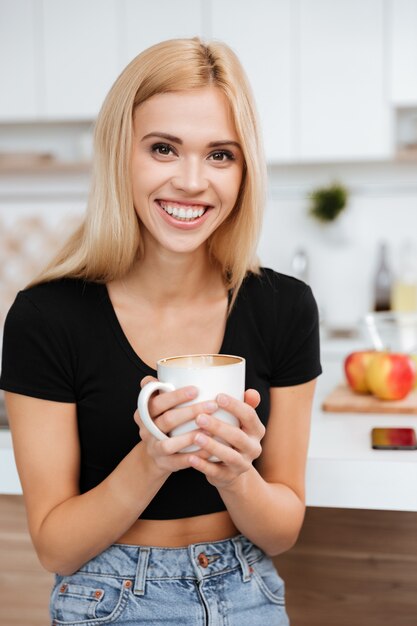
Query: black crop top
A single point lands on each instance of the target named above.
(63, 342)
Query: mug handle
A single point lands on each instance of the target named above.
(143, 400)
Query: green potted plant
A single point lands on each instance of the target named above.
(327, 203)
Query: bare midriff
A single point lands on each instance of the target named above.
(176, 533)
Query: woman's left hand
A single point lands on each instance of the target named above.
(244, 441)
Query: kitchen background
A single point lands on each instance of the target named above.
(336, 87)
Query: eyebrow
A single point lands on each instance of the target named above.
(212, 144)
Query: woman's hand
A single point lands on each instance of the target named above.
(244, 442)
(164, 410)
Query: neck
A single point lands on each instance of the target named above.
(172, 278)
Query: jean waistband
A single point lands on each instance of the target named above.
(196, 561)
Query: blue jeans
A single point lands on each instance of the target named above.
(223, 583)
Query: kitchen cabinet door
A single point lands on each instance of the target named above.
(80, 49)
(147, 23)
(402, 29)
(261, 35)
(18, 61)
(342, 108)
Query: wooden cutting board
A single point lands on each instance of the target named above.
(344, 400)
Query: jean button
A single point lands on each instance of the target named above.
(203, 560)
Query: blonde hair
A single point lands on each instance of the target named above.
(108, 242)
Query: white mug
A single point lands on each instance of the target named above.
(210, 373)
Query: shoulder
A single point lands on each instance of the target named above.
(277, 301)
(272, 284)
(55, 306)
(287, 318)
(45, 330)
(59, 296)
(59, 314)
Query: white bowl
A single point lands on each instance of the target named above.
(396, 332)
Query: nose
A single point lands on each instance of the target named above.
(190, 176)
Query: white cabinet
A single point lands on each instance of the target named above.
(80, 54)
(87, 44)
(260, 33)
(342, 108)
(318, 75)
(403, 52)
(319, 68)
(58, 59)
(147, 22)
(18, 76)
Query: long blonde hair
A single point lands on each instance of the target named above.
(108, 241)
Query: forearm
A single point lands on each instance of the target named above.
(83, 526)
(269, 514)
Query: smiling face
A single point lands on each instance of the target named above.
(187, 167)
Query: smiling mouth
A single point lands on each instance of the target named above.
(183, 212)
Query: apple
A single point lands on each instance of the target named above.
(414, 358)
(390, 375)
(356, 364)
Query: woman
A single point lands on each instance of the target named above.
(164, 264)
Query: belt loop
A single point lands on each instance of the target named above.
(140, 579)
(242, 560)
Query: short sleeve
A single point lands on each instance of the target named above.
(297, 352)
(35, 358)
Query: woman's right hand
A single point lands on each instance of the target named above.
(164, 410)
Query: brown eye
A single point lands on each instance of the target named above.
(163, 149)
(222, 156)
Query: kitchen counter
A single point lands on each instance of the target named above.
(342, 469)
(9, 480)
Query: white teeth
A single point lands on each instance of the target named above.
(182, 213)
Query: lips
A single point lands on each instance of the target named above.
(183, 212)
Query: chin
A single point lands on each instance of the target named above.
(183, 245)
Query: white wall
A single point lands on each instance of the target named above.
(342, 259)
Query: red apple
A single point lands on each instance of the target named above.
(390, 376)
(356, 364)
(414, 358)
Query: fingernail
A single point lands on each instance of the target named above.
(222, 399)
(191, 392)
(210, 406)
(200, 438)
(202, 420)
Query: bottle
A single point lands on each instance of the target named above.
(404, 292)
(382, 280)
(299, 265)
